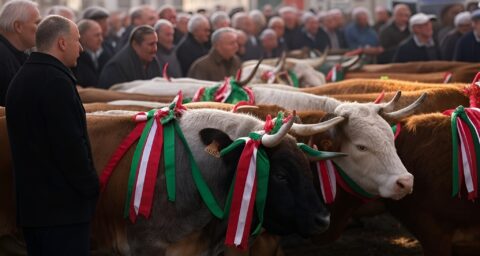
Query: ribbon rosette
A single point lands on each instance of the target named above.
(227, 92)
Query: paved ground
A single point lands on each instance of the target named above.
(373, 236)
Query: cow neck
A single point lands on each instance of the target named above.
(155, 130)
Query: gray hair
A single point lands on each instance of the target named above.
(274, 20)
(267, 32)
(306, 16)
(162, 23)
(49, 30)
(195, 21)
(400, 6)
(218, 17)
(358, 10)
(84, 25)
(183, 15)
(219, 32)
(258, 18)
(287, 9)
(14, 10)
(138, 33)
(164, 8)
(137, 12)
(58, 9)
(238, 18)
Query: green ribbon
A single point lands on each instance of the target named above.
(237, 93)
(136, 159)
(354, 186)
(316, 153)
(294, 78)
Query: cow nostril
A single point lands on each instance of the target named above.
(400, 184)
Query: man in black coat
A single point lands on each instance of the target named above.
(195, 44)
(292, 30)
(463, 25)
(468, 46)
(420, 46)
(136, 61)
(14, 41)
(394, 32)
(313, 36)
(55, 179)
(94, 56)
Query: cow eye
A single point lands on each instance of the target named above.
(281, 177)
(362, 148)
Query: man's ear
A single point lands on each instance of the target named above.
(62, 43)
(17, 27)
(215, 140)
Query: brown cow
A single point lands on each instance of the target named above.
(414, 67)
(90, 95)
(2, 111)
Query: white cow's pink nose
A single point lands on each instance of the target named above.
(405, 184)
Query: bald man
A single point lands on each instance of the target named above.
(55, 180)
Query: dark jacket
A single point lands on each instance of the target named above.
(177, 36)
(86, 72)
(253, 49)
(124, 39)
(320, 41)
(390, 37)
(165, 56)
(340, 35)
(213, 67)
(55, 180)
(291, 37)
(409, 51)
(10, 62)
(189, 50)
(125, 66)
(447, 46)
(467, 49)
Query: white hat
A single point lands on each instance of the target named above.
(420, 18)
(462, 18)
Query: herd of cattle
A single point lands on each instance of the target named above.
(411, 174)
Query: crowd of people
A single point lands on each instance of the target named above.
(120, 47)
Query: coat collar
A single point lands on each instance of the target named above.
(47, 59)
(21, 56)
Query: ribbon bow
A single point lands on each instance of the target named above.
(227, 92)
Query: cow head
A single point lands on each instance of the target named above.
(367, 138)
(292, 204)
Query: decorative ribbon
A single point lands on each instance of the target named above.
(293, 78)
(466, 150)
(165, 72)
(473, 91)
(228, 92)
(250, 183)
(447, 77)
(335, 74)
(380, 97)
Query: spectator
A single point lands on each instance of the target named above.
(394, 32)
(244, 22)
(221, 62)
(91, 61)
(447, 17)
(56, 183)
(259, 22)
(182, 23)
(63, 11)
(195, 44)
(116, 28)
(420, 46)
(100, 15)
(168, 12)
(241, 42)
(292, 29)
(463, 25)
(269, 41)
(358, 33)
(219, 19)
(139, 15)
(166, 53)
(468, 46)
(333, 29)
(18, 24)
(136, 61)
(277, 24)
(313, 36)
(267, 11)
(381, 17)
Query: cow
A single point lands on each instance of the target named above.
(2, 111)
(90, 95)
(292, 204)
(414, 67)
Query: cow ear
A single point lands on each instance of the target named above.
(215, 140)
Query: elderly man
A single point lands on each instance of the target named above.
(468, 46)
(358, 33)
(269, 42)
(101, 16)
(241, 42)
(312, 36)
(139, 15)
(463, 25)
(55, 181)
(221, 62)
(63, 11)
(292, 29)
(276, 23)
(420, 46)
(381, 17)
(166, 53)
(394, 32)
(244, 22)
(91, 60)
(168, 12)
(18, 24)
(195, 44)
(219, 19)
(136, 61)
(333, 28)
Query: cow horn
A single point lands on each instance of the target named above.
(271, 140)
(311, 129)
(389, 106)
(251, 75)
(281, 63)
(408, 110)
(352, 61)
(322, 57)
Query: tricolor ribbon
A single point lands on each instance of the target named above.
(250, 183)
(466, 150)
(473, 91)
(335, 74)
(447, 77)
(227, 92)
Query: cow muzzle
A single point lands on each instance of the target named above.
(401, 186)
